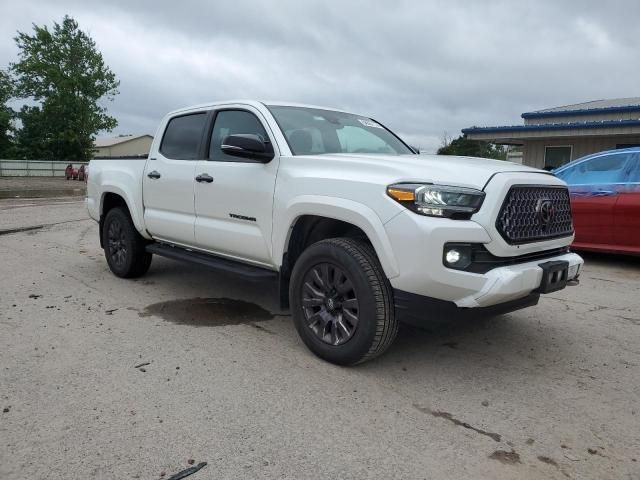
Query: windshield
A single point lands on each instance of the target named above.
(313, 131)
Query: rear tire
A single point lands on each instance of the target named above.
(342, 302)
(124, 247)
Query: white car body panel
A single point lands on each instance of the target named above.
(168, 201)
(123, 178)
(239, 189)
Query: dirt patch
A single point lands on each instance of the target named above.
(20, 229)
(208, 312)
(68, 192)
(33, 228)
(547, 460)
(508, 458)
(446, 415)
(40, 187)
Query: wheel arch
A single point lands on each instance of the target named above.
(113, 197)
(330, 215)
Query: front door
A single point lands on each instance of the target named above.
(234, 202)
(168, 181)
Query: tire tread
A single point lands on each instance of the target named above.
(386, 323)
(141, 258)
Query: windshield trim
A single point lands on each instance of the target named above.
(412, 151)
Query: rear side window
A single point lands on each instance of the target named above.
(182, 136)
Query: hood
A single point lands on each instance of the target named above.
(441, 169)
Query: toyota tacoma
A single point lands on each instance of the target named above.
(359, 230)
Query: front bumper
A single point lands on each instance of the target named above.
(515, 281)
(419, 310)
(418, 243)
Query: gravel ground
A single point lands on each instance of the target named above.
(108, 378)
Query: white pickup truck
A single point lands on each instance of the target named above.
(360, 231)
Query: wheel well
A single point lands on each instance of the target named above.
(110, 201)
(310, 229)
(307, 230)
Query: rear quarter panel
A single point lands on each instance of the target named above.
(122, 177)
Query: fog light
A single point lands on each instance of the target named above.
(457, 255)
(452, 256)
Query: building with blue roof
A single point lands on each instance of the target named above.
(551, 137)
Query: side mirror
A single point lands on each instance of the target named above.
(247, 145)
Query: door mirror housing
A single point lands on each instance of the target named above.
(247, 145)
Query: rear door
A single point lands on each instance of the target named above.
(168, 181)
(594, 185)
(627, 214)
(234, 208)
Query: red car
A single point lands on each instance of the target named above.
(81, 173)
(605, 200)
(70, 173)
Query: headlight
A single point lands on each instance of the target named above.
(437, 200)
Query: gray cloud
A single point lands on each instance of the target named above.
(422, 68)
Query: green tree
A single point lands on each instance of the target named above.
(472, 148)
(63, 72)
(31, 140)
(6, 116)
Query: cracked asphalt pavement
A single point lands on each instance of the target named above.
(108, 378)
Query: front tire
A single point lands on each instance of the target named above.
(124, 247)
(341, 301)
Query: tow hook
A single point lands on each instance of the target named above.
(573, 282)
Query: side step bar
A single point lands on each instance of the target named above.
(211, 261)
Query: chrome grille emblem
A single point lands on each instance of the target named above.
(545, 211)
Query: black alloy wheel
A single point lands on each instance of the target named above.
(342, 302)
(330, 304)
(117, 242)
(124, 247)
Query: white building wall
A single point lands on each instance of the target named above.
(135, 147)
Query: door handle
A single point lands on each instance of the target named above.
(204, 177)
(154, 175)
(604, 193)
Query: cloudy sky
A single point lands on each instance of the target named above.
(424, 68)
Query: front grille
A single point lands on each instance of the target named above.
(532, 213)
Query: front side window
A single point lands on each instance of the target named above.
(182, 136)
(312, 131)
(599, 170)
(233, 122)
(555, 157)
